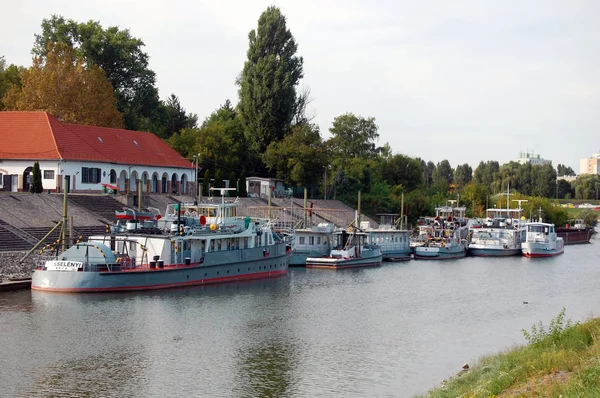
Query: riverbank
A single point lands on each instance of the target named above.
(10, 267)
(561, 359)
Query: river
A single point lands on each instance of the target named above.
(393, 331)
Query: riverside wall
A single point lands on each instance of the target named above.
(10, 267)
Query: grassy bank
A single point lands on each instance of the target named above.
(561, 359)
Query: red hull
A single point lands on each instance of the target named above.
(536, 255)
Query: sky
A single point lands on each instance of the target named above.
(462, 80)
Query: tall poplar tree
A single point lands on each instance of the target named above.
(267, 84)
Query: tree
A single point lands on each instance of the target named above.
(10, 76)
(120, 56)
(243, 192)
(486, 172)
(443, 175)
(300, 158)
(233, 183)
(543, 181)
(218, 179)
(405, 171)
(267, 84)
(177, 118)
(564, 189)
(463, 174)
(206, 183)
(36, 185)
(353, 137)
(185, 142)
(564, 170)
(475, 195)
(63, 86)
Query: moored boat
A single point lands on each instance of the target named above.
(350, 250)
(132, 214)
(501, 234)
(576, 233)
(311, 242)
(219, 248)
(542, 241)
(443, 237)
(393, 241)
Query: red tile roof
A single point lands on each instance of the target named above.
(39, 136)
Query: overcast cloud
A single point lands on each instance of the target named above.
(459, 80)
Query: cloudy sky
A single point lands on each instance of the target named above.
(463, 80)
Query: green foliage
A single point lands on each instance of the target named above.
(121, 57)
(233, 183)
(463, 174)
(36, 185)
(243, 192)
(486, 173)
(185, 142)
(177, 118)
(589, 216)
(300, 157)
(352, 137)
(267, 93)
(218, 180)
(475, 196)
(443, 175)
(206, 183)
(552, 335)
(564, 190)
(9, 76)
(401, 170)
(587, 186)
(563, 170)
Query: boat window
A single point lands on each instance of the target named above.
(212, 245)
(318, 240)
(302, 240)
(132, 245)
(245, 242)
(218, 244)
(311, 240)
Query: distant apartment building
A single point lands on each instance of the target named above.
(533, 158)
(590, 165)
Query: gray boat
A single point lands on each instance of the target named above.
(350, 250)
(218, 246)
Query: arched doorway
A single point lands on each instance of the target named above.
(183, 187)
(133, 181)
(164, 180)
(122, 181)
(27, 179)
(113, 176)
(145, 187)
(155, 182)
(174, 183)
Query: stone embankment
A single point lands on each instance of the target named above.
(10, 267)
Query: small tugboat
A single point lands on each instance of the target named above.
(217, 246)
(542, 241)
(500, 235)
(350, 251)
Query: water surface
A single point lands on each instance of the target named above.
(392, 331)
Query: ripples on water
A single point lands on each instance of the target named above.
(392, 331)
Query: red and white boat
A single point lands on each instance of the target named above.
(542, 241)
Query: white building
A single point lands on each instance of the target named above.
(261, 186)
(86, 158)
(590, 165)
(533, 158)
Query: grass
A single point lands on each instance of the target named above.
(560, 359)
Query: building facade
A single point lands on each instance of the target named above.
(87, 158)
(590, 165)
(533, 158)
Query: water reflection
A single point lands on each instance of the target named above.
(113, 373)
(19, 300)
(265, 371)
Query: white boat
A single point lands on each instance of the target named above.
(501, 234)
(394, 241)
(311, 242)
(542, 240)
(350, 250)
